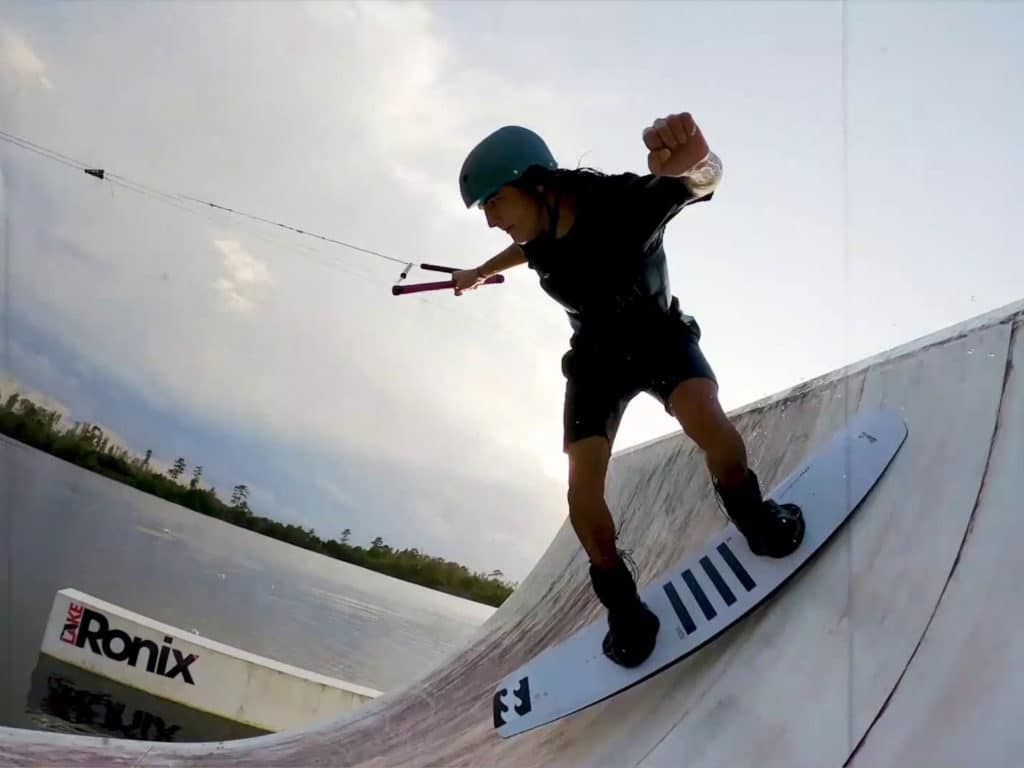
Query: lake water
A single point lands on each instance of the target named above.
(62, 526)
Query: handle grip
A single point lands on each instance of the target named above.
(397, 290)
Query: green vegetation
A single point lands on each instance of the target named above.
(87, 446)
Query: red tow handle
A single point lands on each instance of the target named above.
(397, 289)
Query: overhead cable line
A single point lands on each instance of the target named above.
(173, 199)
(180, 201)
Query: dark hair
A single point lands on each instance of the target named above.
(577, 182)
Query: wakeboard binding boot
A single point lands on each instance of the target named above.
(632, 626)
(771, 529)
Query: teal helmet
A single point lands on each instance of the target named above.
(500, 159)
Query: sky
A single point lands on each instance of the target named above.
(870, 195)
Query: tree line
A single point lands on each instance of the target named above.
(87, 446)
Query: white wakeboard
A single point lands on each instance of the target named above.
(707, 592)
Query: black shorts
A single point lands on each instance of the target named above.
(602, 380)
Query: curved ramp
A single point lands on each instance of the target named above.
(898, 645)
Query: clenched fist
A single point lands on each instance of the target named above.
(675, 145)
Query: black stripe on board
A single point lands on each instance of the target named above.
(718, 581)
(698, 594)
(736, 567)
(681, 612)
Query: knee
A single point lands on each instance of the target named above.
(584, 494)
(696, 423)
(704, 422)
(588, 464)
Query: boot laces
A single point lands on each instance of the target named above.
(627, 557)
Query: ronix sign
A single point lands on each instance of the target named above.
(86, 627)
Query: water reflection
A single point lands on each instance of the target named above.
(67, 699)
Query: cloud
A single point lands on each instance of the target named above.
(244, 279)
(20, 58)
(350, 123)
(439, 418)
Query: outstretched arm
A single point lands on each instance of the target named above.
(508, 258)
(469, 279)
